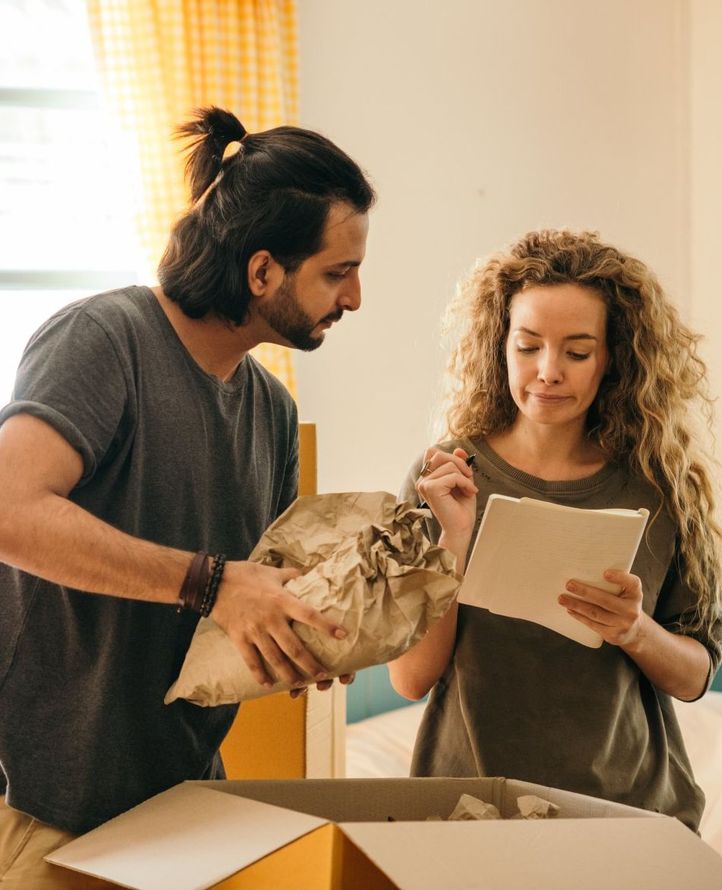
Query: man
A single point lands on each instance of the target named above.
(141, 433)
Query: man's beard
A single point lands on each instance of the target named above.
(288, 318)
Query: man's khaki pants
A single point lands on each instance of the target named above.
(23, 843)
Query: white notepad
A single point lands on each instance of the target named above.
(526, 550)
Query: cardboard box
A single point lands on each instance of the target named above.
(335, 834)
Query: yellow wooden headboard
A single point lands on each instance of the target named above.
(278, 737)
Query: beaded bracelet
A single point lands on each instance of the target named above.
(200, 585)
(211, 593)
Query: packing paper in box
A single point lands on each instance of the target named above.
(367, 565)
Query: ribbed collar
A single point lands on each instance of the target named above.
(543, 486)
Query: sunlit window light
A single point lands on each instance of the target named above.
(68, 180)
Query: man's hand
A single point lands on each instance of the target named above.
(256, 611)
(323, 685)
(46, 534)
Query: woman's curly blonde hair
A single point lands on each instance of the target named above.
(648, 405)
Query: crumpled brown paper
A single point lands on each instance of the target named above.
(470, 808)
(533, 807)
(368, 566)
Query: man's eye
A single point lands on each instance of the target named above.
(335, 276)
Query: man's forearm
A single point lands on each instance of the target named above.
(44, 533)
(57, 540)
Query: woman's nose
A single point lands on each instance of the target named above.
(549, 369)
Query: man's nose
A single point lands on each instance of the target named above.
(351, 295)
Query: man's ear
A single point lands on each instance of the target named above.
(259, 269)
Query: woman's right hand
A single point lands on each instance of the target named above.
(446, 484)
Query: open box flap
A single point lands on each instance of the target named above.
(554, 854)
(187, 838)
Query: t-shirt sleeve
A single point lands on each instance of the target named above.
(408, 494)
(674, 608)
(70, 376)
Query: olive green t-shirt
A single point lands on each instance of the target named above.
(522, 701)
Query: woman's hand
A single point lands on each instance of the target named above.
(617, 617)
(677, 664)
(446, 484)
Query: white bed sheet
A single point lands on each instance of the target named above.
(381, 746)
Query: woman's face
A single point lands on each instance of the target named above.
(556, 352)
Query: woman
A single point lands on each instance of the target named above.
(577, 384)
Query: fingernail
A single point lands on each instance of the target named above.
(267, 684)
(340, 633)
(321, 676)
(571, 586)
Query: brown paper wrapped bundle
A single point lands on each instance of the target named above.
(367, 565)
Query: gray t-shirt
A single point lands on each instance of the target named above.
(171, 455)
(522, 701)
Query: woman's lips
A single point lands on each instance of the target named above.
(545, 397)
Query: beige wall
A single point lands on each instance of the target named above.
(706, 183)
(477, 121)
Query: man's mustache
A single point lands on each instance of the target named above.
(333, 316)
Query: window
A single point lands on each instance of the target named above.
(67, 184)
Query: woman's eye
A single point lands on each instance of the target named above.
(526, 349)
(335, 276)
(578, 356)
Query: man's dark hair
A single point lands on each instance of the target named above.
(273, 194)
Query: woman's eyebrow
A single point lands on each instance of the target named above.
(580, 336)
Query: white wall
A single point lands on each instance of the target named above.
(477, 121)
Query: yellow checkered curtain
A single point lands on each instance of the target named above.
(160, 59)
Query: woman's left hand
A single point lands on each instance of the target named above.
(617, 617)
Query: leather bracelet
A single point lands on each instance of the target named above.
(195, 583)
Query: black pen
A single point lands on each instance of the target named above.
(470, 461)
